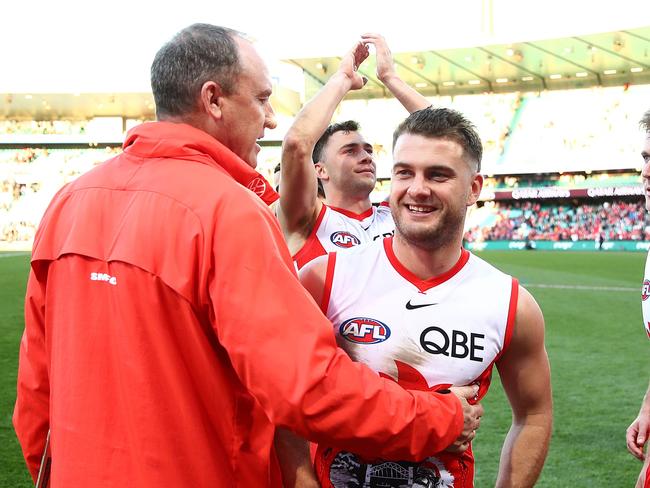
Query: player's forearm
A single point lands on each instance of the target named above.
(524, 452)
(315, 116)
(407, 95)
(640, 482)
(298, 186)
(294, 459)
(645, 404)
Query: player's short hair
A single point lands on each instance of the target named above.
(198, 53)
(645, 122)
(444, 123)
(347, 126)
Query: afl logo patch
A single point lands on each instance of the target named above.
(344, 239)
(645, 291)
(257, 186)
(364, 330)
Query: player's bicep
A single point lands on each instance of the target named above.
(524, 367)
(299, 203)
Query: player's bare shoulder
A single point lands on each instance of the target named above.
(313, 276)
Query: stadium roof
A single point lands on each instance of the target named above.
(605, 59)
(78, 106)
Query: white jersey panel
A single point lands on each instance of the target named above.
(339, 231)
(448, 333)
(645, 296)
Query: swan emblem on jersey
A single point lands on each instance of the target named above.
(344, 239)
(410, 378)
(645, 291)
(364, 330)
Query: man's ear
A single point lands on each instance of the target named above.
(321, 171)
(475, 191)
(212, 99)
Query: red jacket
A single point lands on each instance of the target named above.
(166, 333)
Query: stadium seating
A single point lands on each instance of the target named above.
(580, 138)
(29, 178)
(560, 221)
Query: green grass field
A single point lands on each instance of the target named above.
(599, 358)
(13, 278)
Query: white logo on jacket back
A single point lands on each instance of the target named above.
(103, 277)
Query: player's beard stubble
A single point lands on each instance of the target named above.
(444, 231)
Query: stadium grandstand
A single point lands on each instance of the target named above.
(557, 118)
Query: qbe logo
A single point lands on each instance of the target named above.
(364, 330)
(645, 291)
(344, 239)
(436, 340)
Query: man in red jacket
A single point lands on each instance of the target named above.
(166, 335)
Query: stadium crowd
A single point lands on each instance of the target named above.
(29, 178)
(43, 126)
(510, 124)
(512, 221)
(533, 220)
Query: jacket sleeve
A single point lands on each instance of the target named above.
(283, 350)
(31, 413)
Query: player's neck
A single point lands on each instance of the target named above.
(423, 262)
(355, 204)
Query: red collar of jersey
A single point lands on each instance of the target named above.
(181, 140)
(348, 213)
(423, 285)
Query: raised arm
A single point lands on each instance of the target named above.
(525, 375)
(408, 96)
(299, 203)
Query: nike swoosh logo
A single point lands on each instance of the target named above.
(413, 307)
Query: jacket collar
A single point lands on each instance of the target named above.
(168, 139)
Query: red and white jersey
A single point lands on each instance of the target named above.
(338, 229)
(424, 334)
(645, 296)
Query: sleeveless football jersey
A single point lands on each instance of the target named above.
(645, 296)
(338, 229)
(424, 334)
